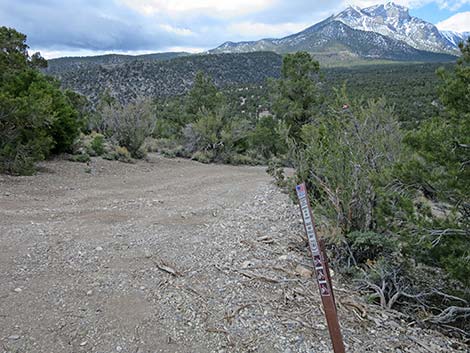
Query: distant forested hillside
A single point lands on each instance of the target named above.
(141, 78)
(410, 88)
(61, 65)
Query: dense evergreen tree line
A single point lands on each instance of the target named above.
(37, 119)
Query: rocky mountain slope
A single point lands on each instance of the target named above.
(140, 78)
(378, 33)
(382, 31)
(456, 37)
(395, 22)
(57, 66)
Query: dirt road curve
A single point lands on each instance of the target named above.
(168, 256)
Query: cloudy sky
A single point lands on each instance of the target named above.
(88, 27)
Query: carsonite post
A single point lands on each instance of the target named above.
(321, 270)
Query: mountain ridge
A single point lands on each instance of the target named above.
(108, 60)
(163, 78)
(394, 21)
(385, 20)
(331, 41)
(380, 32)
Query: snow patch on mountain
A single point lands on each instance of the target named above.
(394, 21)
(456, 37)
(385, 31)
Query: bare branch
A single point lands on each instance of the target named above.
(451, 314)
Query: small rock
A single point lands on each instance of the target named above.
(119, 348)
(14, 337)
(18, 290)
(99, 248)
(148, 254)
(83, 343)
(90, 292)
(283, 257)
(247, 264)
(303, 272)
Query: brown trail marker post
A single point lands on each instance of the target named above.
(320, 266)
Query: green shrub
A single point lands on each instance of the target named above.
(81, 158)
(205, 134)
(97, 144)
(118, 154)
(203, 156)
(203, 96)
(168, 147)
(346, 158)
(241, 159)
(266, 138)
(177, 151)
(276, 170)
(151, 144)
(123, 155)
(129, 125)
(218, 137)
(439, 168)
(37, 119)
(19, 159)
(110, 156)
(370, 246)
(167, 128)
(66, 126)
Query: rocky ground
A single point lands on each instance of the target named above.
(170, 256)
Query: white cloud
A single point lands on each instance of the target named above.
(459, 23)
(452, 5)
(176, 30)
(367, 3)
(51, 54)
(193, 50)
(263, 30)
(175, 8)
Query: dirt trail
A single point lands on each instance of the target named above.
(168, 256)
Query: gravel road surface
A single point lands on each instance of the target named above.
(170, 255)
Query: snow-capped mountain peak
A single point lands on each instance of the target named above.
(394, 21)
(385, 31)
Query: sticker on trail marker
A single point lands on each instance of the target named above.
(317, 261)
(301, 190)
(324, 289)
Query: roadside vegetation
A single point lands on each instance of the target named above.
(37, 119)
(394, 200)
(390, 188)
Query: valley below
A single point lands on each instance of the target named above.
(170, 255)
